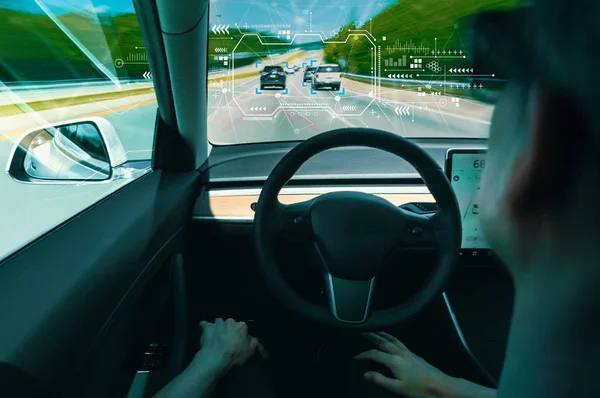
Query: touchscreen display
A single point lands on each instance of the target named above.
(465, 171)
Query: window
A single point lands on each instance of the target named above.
(407, 68)
(79, 65)
(273, 69)
(325, 69)
(69, 132)
(87, 138)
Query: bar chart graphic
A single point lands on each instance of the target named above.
(400, 61)
(407, 46)
(137, 57)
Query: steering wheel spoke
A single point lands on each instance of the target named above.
(294, 221)
(349, 300)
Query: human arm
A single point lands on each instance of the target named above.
(413, 376)
(461, 388)
(223, 345)
(198, 380)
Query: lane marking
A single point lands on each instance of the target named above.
(441, 112)
(97, 114)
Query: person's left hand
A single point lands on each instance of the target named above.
(223, 345)
(227, 341)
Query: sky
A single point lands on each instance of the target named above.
(301, 15)
(88, 6)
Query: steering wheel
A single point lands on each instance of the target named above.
(353, 233)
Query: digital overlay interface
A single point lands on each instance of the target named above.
(465, 170)
(383, 64)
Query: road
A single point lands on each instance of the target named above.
(243, 113)
(236, 114)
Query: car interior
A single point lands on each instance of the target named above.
(289, 237)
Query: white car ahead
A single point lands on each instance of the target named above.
(327, 75)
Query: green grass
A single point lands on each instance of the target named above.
(419, 21)
(34, 48)
(40, 53)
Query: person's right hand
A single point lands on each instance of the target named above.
(413, 376)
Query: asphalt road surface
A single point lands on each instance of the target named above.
(244, 113)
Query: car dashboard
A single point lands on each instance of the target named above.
(235, 174)
(222, 235)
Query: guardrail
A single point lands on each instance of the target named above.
(52, 84)
(48, 84)
(412, 82)
(481, 94)
(29, 92)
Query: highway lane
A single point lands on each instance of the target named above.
(243, 113)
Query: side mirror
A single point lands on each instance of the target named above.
(85, 150)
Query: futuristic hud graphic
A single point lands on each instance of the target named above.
(400, 66)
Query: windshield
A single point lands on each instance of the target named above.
(324, 69)
(405, 67)
(273, 69)
(86, 137)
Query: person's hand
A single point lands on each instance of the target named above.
(413, 376)
(227, 341)
(223, 345)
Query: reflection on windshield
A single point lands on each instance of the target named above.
(401, 66)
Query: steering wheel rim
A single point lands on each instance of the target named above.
(271, 216)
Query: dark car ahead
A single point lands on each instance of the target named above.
(272, 76)
(308, 73)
